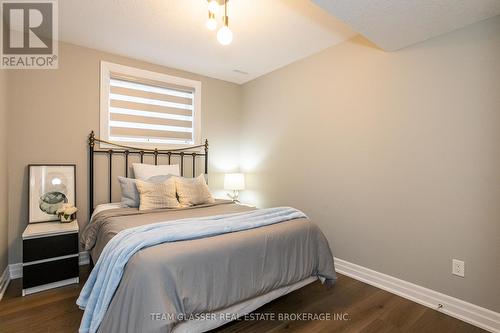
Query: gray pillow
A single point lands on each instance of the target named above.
(130, 194)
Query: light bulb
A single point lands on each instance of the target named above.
(211, 22)
(213, 6)
(225, 35)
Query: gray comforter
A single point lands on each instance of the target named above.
(164, 282)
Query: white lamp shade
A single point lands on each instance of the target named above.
(234, 181)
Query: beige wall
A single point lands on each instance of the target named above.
(52, 112)
(395, 155)
(3, 172)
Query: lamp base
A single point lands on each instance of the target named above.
(235, 196)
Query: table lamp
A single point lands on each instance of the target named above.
(234, 182)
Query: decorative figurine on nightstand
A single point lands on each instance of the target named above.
(67, 213)
(234, 182)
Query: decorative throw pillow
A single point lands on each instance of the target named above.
(145, 171)
(157, 195)
(130, 195)
(193, 191)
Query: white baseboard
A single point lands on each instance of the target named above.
(16, 270)
(4, 281)
(454, 307)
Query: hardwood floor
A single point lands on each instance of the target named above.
(368, 309)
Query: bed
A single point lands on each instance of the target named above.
(200, 283)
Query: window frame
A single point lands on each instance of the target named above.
(106, 68)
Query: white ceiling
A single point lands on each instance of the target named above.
(268, 34)
(394, 24)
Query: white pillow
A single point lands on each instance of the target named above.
(146, 171)
(193, 191)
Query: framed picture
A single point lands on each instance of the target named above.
(51, 186)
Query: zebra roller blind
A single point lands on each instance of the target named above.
(150, 112)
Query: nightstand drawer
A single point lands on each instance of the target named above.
(49, 247)
(50, 271)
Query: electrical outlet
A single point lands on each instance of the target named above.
(458, 267)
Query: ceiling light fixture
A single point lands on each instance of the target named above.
(225, 35)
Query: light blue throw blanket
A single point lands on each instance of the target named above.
(104, 279)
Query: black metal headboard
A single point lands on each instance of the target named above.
(126, 151)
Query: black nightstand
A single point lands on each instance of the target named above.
(50, 256)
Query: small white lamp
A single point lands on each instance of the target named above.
(234, 182)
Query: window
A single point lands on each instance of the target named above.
(148, 109)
